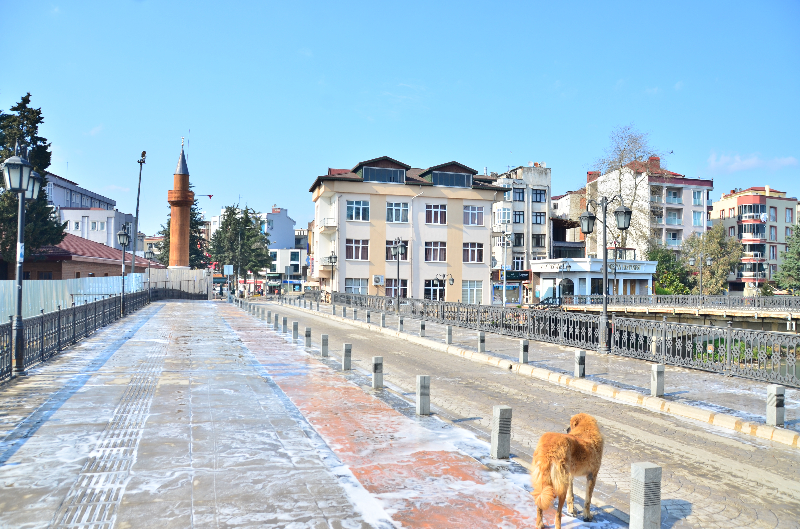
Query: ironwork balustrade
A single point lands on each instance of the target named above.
(760, 303)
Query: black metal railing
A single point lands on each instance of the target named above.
(48, 334)
(765, 303)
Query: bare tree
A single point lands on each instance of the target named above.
(625, 169)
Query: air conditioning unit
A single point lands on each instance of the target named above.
(377, 281)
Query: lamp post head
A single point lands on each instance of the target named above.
(691, 261)
(709, 261)
(623, 214)
(16, 172)
(452, 280)
(587, 222)
(123, 238)
(34, 185)
(149, 255)
(332, 258)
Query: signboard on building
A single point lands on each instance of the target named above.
(227, 270)
(518, 275)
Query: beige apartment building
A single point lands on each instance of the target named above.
(442, 214)
(762, 219)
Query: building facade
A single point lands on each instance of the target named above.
(442, 215)
(97, 225)
(762, 219)
(667, 207)
(63, 193)
(287, 272)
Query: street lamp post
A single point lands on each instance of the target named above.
(149, 255)
(623, 216)
(442, 277)
(21, 179)
(332, 263)
(398, 251)
(136, 218)
(123, 238)
(506, 244)
(709, 262)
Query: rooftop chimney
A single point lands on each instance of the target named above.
(766, 190)
(654, 164)
(591, 176)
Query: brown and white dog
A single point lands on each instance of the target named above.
(561, 457)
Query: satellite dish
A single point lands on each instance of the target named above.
(763, 217)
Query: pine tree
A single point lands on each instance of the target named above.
(198, 246)
(240, 241)
(42, 226)
(788, 275)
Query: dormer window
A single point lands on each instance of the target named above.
(382, 174)
(439, 178)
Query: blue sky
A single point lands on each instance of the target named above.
(274, 93)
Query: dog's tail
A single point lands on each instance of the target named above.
(550, 479)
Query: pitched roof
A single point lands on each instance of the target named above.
(74, 246)
(182, 168)
(378, 159)
(467, 170)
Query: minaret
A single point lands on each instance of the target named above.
(181, 200)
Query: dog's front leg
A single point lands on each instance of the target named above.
(571, 498)
(591, 479)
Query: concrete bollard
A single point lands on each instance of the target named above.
(275, 325)
(334, 309)
(523, 351)
(308, 337)
(423, 395)
(645, 511)
(368, 317)
(323, 348)
(317, 306)
(344, 312)
(285, 323)
(481, 342)
(383, 320)
(347, 351)
(422, 329)
(295, 330)
(776, 413)
(355, 314)
(400, 324)
(449, 337)
(377, 372)
(269, 315)
(501, 432)
(580, 364)
(657, 380)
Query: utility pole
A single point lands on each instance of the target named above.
(136, 218)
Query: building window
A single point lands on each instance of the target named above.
(434, 289)
(502, 242)
(507, 194)
(789, 215)
(391, 288)
(773, 233)
(519, 194)
(697, 218)
(435, 251)
(439, 178)
(77, 275)
(538, 195)
(93, 225)
(731, 212)
(101, 226)
(473, 215)
(295, 268)
(697, 198)
(731, 231)
(752, 231)
(382, 174)
(397, 212)
(473, 252)
(538, 217)
(773, 253)
(519, 239)
(45, 275)
(358, 210)
(773, 269)
(355, 285)
(722, 214)
(537, 240)
(773, 214)
(519, 262)
(471, 292)
(435, 214)
(390, 257)
(788, 232)
(357, 249)
(294, 257)
(273, 256)
(76, 226)
(519, 217)
(673, 197)
(502, 216)
(555, 205)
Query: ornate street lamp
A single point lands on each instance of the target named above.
(709, 261)
(123, 238)
(150, 255)
(398, 251)
(623, 216)
(19, 178)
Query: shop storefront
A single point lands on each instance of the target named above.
(584, 276)
(516, 281)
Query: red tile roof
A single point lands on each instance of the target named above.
(72, 245)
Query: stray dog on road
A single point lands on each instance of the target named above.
(561, 457)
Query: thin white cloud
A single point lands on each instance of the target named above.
(733, 164)
(95, 130)
(679, 85)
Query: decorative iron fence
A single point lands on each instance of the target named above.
(761, 355)
(159, 294)
(765, 303)
(47, 334)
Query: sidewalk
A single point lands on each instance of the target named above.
(741, 397)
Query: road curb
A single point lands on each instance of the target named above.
(720, 420)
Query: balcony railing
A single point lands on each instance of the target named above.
(751, 275)
(658, 220)
(327, 222)
(675, 222)
(761, 236)
(674, 242)
(749, 216)
(674, 200)
(656, 200)
(752, 255)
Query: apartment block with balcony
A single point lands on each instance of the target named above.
(762, 219)
(668, 207)
(442, 215)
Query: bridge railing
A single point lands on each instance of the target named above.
(48, 334)
(761, 303)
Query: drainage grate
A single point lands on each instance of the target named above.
(93, 500)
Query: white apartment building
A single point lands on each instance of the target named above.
(286, 272)
(441, 214)
(63, 193)
(667, 207)
(98, 225)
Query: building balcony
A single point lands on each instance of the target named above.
(328, 224)
(750, 275)
(674, 222)
(674, 243)
(750, 216)
(753, 236)
(753, 256)
(656, 221)
(674, 200)
(656, 200)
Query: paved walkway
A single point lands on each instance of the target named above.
(712, 477)
(194, 414)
